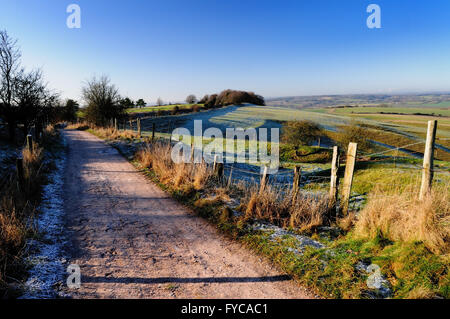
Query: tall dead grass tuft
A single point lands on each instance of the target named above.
(144, 156)
(158, 157)
(78, 126)
(403, 217)
(267, 205)
(346, 223)
(202, 174)
(32, 166)
(17, 210)
(113, 134)
(32, 158)
(302, 212)
(309, 212)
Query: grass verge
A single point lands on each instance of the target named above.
(18, 207)
(415, 266)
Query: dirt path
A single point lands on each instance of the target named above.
(132, 241)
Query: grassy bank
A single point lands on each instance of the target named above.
(18, 207)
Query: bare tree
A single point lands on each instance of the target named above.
(159, 102)
(103, 101)
(9, 64)
(25, 98)
(191, 99)
(34, 102)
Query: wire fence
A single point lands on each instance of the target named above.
(285, 177)
(398, 148)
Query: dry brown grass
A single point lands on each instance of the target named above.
(421, 293)
(201, 176)
(104, 132)
(157, 156)
(144, 157)
(78, 126)
(32, 160)
(113, 134)
(403, 217)
(267, 205)
(302, 212)
(346, 223)
(17, 210)
(309, 212)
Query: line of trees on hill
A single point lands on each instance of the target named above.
(231, 97)
(25, 99)
(105, 104)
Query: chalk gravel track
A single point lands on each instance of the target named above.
(131, 240)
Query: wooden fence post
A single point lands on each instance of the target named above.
(427, 171)
(20, 176)
(230, 177)
(139, 127)
(297, 179)
(348, 177)
(30, 143)
(334, 183)
(215, 162)
(192, 151)
(153, 131)
(218, 170)
(263, 179)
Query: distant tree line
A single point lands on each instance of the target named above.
(129, 103)
(26, 101)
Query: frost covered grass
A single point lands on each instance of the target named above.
(46, 258)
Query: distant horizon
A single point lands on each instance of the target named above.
(418, 93)
(363, 94)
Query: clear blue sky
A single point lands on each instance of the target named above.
(170, 49)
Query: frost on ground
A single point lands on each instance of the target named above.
(278, 232)
(8, 155)
(378, 285)
(46, 259)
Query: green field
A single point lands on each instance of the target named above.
(151, 109)
(409, 120)
(432, 111)
(393, 129)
